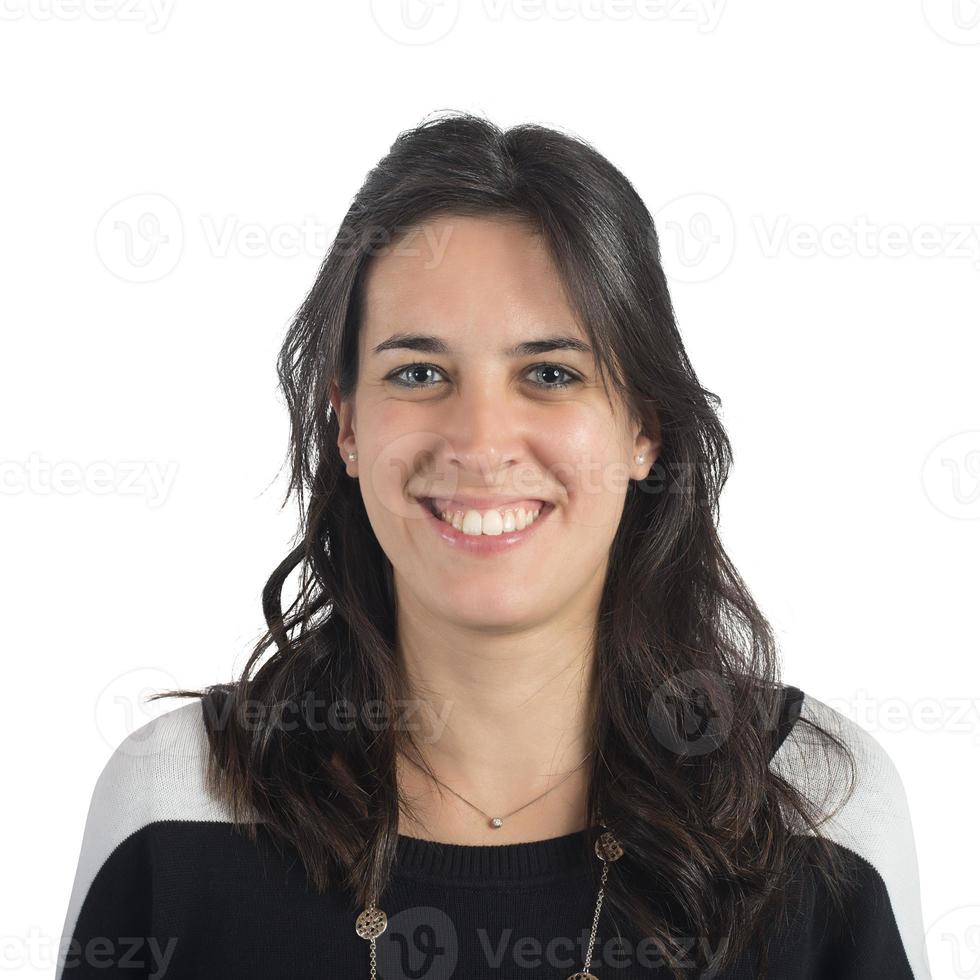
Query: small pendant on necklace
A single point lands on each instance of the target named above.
(496, 823)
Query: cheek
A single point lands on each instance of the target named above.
(591, 462)
(393, 447)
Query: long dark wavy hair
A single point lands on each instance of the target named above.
(717, 844)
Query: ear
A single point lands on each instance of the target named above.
(647, 446)
(346, 441)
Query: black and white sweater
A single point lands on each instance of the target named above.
(166, 888)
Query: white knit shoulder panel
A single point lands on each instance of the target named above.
(875, 823)
(156, 773)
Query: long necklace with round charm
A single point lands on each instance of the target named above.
(372, 922)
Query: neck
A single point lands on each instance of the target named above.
(500, 718)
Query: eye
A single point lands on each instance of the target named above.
(557, 368)
(418, 367)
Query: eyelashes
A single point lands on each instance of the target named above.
(396, 375)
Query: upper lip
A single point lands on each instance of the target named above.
(481, 503)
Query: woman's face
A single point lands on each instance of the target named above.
(492, 419)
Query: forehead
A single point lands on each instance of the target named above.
(466, 277)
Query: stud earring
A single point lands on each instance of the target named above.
(639, 459)
(352, 455)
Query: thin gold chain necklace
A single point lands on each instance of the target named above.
(497, 822)
(372, 921)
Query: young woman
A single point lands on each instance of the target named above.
(523, 716)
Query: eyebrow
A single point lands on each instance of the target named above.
(426, 344)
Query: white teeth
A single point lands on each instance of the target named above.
(474, 522)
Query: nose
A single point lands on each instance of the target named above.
(485, 433)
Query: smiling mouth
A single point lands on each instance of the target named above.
(475, 522)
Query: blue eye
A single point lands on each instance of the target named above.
(556, 368)
(419, 366)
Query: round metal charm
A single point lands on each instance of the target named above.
(607, 848)
(371, 923)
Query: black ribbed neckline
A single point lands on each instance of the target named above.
(564, 856)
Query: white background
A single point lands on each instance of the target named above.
(172, 175)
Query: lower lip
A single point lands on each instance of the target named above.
(484, 544)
